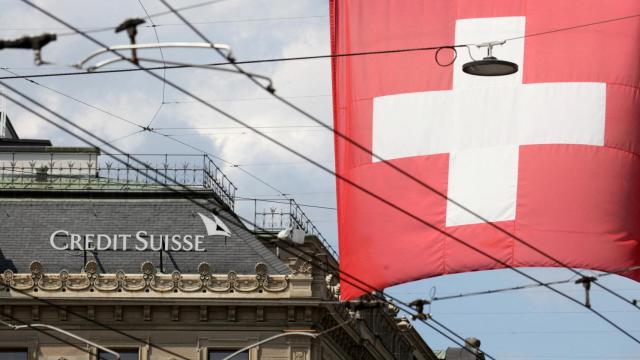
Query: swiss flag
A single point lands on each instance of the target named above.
(550, 154)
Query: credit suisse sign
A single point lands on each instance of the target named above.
(140, 241)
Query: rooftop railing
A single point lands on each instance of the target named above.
(84, 171)
(277, 218)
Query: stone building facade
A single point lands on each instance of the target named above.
(164, 272)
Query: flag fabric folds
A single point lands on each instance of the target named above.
(548, 156)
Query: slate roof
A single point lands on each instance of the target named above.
(27, 221)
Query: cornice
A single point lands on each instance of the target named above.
(150, 284)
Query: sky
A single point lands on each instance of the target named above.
(524, 324)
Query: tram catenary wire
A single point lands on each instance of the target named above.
(403, 172)
(527, 286)
(298, 58)
(186, 92)
(359, 187)
(228, 219)
(152, 130)
(40, 330)
(164, 72)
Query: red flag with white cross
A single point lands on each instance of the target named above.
(548, 156)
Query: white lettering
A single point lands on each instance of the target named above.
(75, 242)
(52, 240)
(153, 239)
(103, 242)
(187, 246)
(176, 244)
(88, 242)
(199, 239)
(125, 238)
(144, 244)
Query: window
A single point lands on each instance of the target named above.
(13, 354)
(221, 354)
(125, 354)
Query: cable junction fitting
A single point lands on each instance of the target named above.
(35, 43)
(131, 26)
(419, 304)
(586, 283)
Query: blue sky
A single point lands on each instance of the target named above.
(525, 324)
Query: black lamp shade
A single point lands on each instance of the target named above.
(490, 66)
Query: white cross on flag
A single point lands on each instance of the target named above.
(550, 154)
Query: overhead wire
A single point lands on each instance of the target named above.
(528, 286)
(230, 21)
(299, 193)
(231, 164)
(187, 7)
(278, 201)
(231, 134)
(185, 188)
(251, 76)
(164, 63)
(93, 30)
(186, 101)
(168, 136)
(239, 62)
(525, 313)
(111, 28)
(278, 191)
(46, 333)
(600, 22)
(564, 356)
(94, 136)
(313, 57)
(357, 186)
(144, 128)
(88, 133)
(77, 100)
(239, 127)
(400, 170)
(275, 141)
(222, 133)
(436, 321)
(283, 163)
(124, 137)
(312, 260)
(162, 102)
